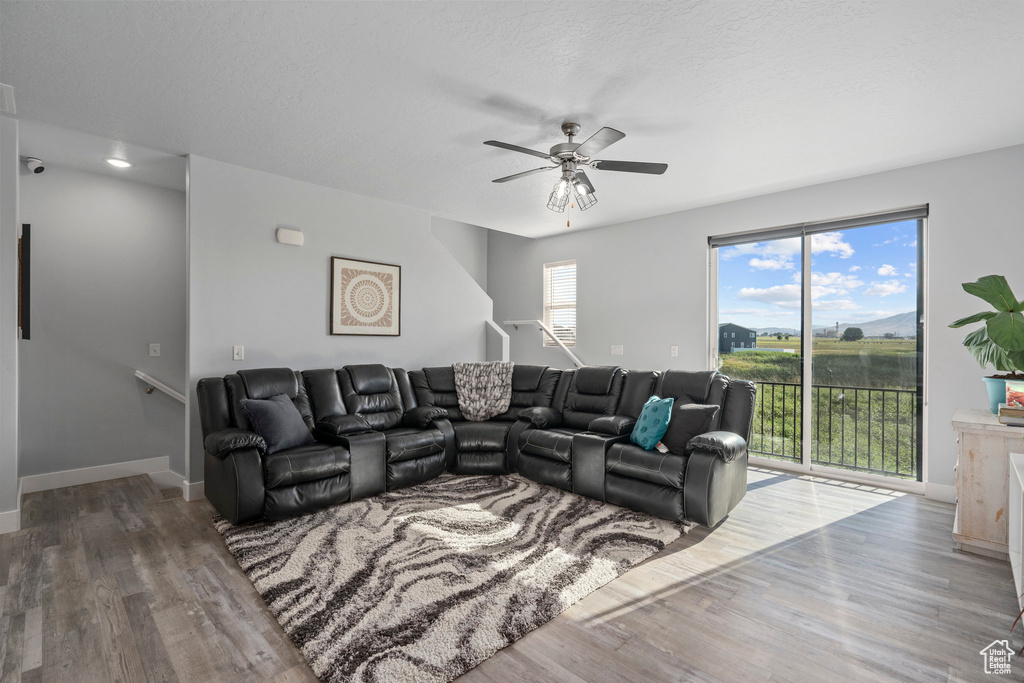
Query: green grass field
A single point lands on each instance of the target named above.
(868, 363)
(865, 428)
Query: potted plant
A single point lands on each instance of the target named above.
(1000, 341)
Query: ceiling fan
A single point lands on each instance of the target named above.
(570, 157)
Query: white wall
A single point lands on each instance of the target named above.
(467, 243)
(644, 284)
(246, 289)
(9, 229)
(108, 278)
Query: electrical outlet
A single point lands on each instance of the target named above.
(673, 350)
(616, 349)
(154, 350)
(237, 353)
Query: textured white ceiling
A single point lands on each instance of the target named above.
(393, 99)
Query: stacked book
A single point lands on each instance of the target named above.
(1011, 415)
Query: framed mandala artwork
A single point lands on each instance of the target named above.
(366, 297)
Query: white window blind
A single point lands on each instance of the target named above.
(560, 301)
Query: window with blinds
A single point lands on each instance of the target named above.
(560, 301)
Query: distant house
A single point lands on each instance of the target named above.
(732, 336)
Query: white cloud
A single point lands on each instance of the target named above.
(762, 312)
(835, 305)
(822, 285)
(854, 269)
(885, 288)
(831, 242)
(787, 296)
(773, 263)
(783, 248)
(911, 244)
(887, 270)
(836, 280)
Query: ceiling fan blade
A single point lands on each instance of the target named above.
(585, 180)
(522, 175)
(598, 141)
(517, 148)
(630, 166)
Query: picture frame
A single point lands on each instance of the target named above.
(366, 298)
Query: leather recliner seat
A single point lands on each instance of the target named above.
(484, 447)
(245, 483)
(703, 482)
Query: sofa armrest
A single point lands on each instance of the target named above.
(339, 425)
(541, 417)
(726, 445)
(422, 417)
(612, 425)
(222, 442)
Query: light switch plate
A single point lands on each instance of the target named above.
(673, 350)
(237, 353)
(616, 349)
(154, 350)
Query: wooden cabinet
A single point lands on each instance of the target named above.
(982, 481)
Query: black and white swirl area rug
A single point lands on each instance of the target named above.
(424, 583)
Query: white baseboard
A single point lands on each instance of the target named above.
(88, 475)
(167, 479)
(173, 480)
(194, 491)
(11, 520)
(941, 492)
(156, 468)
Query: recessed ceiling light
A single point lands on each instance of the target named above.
(119, 163)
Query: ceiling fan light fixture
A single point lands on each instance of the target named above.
(560, 195)
(584, 199)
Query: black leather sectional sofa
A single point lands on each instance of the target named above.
(378, 428)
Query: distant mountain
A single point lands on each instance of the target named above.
(777, 330)
(901, 325)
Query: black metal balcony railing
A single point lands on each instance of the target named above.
(854, 428)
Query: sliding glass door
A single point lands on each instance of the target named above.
(759, 321)
(836, 307)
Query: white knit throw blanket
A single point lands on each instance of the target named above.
(484, 389)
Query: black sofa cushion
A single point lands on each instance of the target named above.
(553, 444)
(685, 386)
(594, 393)
(220, 443)
(408, 443)
(687, 422)
(630, 460)
(278, 421)
(339, 425)
(474, 437)
(372, 391)
(415, 471)
(304, 463)
(726, 445)
(532, 385)
(422, 416)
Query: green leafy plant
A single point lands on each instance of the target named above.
(1000, 341)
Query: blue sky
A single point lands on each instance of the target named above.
(857, 275)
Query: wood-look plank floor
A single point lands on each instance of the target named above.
(808, 580)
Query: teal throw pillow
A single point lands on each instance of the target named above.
(652, 423)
